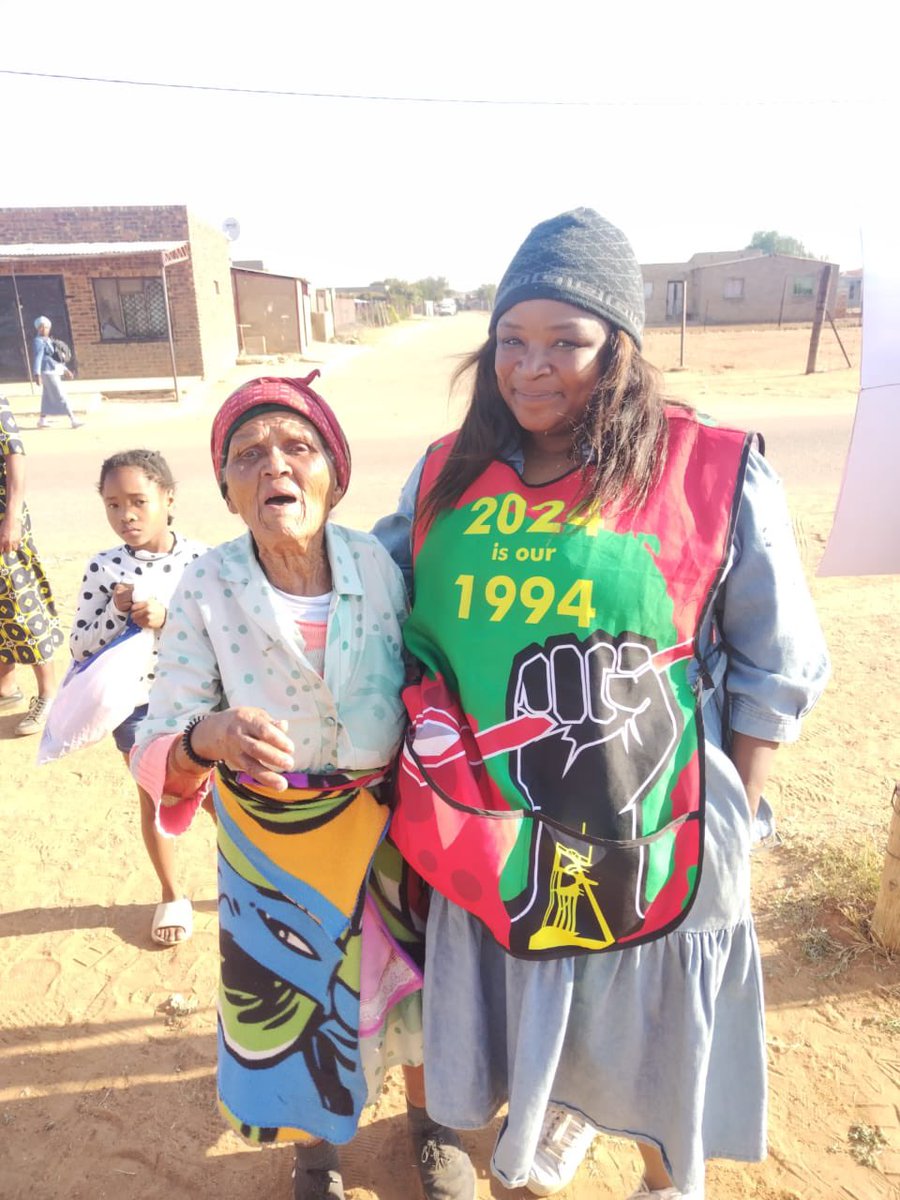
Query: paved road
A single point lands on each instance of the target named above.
(808, 452)
(393, 399)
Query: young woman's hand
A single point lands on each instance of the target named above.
(10, 534)
(148, 614)
(249, 740)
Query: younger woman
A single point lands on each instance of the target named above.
(615, 634)
(138, 579)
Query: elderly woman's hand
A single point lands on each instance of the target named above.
(148, 614)
(249, 740)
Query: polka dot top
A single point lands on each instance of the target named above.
(154, 576)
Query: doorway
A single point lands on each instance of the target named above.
(39, 296)
(674, 299)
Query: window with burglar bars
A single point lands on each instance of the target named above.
(130, 309)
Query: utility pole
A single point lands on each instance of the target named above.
(819, 317)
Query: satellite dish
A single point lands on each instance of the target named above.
(231, 228)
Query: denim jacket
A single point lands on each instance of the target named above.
(42, 356)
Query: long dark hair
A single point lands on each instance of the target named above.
(621, 438)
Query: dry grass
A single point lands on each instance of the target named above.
(829, 900)
(866, 1143)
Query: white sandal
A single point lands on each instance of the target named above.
(172, 914)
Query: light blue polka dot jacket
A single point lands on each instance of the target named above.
(228, 641)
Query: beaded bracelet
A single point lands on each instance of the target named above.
(206, 763)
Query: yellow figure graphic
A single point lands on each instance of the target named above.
(568, 883)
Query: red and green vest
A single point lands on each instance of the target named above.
(551, 780)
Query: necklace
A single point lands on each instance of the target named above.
(541, 467)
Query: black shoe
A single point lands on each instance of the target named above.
(444, 1167)
(317, 1173)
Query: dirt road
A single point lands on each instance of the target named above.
(102, 1095)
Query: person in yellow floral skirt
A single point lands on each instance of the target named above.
(29, 626)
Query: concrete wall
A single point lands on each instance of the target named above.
(754, 284)
(211, 267)
(305, 305)
(345, 315)
(658, 276)
(765, 281)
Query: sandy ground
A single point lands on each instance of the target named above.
(102, 1094)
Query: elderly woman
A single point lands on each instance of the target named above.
(278, 692)
(49, 373)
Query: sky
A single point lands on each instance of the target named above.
(688, 125)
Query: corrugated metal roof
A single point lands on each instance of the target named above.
(85, 249)
(263, 271)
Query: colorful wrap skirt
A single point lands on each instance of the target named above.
(320, 937)
(29, 625)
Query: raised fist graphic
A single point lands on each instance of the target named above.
(612, 724)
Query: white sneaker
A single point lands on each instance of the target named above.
(666, 1193)
(36, 717)
(565, 1140)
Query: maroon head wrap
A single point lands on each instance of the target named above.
(293, 394)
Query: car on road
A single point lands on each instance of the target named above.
(446, 307)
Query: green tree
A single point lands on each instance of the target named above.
(770, 241)
(405, 296)
(435, 287)
(485, 295)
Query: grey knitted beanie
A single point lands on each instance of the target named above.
(579, 258)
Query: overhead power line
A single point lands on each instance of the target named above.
(730, 102)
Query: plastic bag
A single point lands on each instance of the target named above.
(96, 695)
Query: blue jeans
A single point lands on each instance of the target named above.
(124, 734)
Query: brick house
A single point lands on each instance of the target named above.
(116, 283)
(740, 287)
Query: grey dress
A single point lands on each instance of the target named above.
(54, 402)
(664, 1041)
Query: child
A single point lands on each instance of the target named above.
(138, 579)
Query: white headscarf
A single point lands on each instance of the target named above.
(39, 321)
